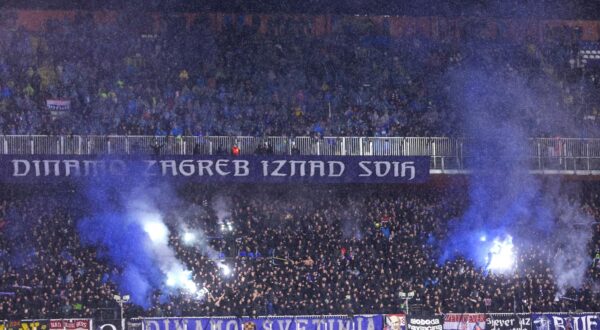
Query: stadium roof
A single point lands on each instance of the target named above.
(573, 9)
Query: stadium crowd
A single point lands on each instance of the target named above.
(291, 251)
(298, 250)
(194, 80)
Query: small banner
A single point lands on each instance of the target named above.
(464, 322)
(11, 325)
(424, 322)
(25, 325)
(395, 322)
(58, 107)
(134, 324)
(508, 322)
(107, 324)
(34, 325)
(70, 324)
(565, 321)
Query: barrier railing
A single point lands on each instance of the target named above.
(448, 155)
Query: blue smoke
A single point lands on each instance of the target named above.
(505, 199)
(125, 225)
(119, 238)
(122, 242)
(499, 109)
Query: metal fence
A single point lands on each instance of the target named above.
(448, 155)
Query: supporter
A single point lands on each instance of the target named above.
(235, 150)
(295, 150)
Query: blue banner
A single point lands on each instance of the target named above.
(565, 321)
(246, 169)
(359, 322)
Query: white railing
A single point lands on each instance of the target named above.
(448, 155)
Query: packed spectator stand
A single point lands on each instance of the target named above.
(277, 77)
(292, 251)
(299, 250)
